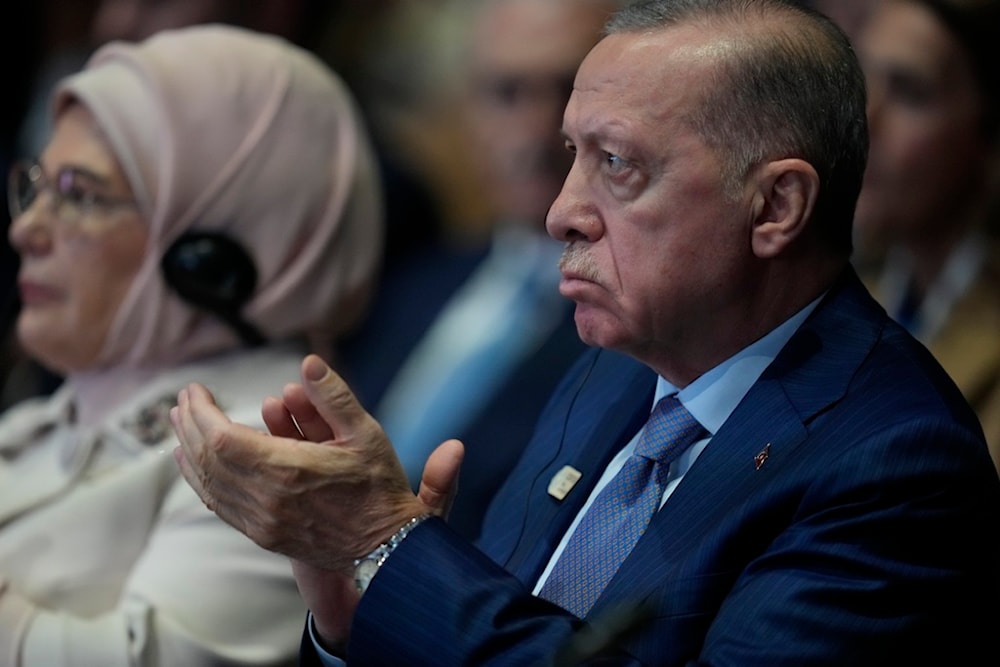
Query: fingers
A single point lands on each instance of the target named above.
(309, 421)
(332, 399)
(187, 428)
(278, 419)
(293, 416)
(203, 430)
(189, 434)
(439, 483)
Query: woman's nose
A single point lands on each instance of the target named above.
(30, 232)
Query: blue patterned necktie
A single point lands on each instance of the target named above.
(620, 513)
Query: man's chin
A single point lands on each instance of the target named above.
(594, 329)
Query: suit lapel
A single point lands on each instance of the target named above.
(585, 427)
(760, 437)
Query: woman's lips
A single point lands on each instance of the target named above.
(35, 293)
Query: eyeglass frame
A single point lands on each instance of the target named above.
(82, 204)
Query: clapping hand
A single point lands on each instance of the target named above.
(324, 487)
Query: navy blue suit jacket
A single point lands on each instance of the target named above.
(868, 536)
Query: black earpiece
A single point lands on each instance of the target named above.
(212, 271)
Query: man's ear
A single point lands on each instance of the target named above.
(784, 201)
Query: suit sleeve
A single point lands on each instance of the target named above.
(440, 601)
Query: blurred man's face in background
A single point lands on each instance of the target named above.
(925, 108)
(525, 54)
(138, 19)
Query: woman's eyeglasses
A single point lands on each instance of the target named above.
(74, 194)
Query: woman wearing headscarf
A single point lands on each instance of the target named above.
(927, 213)
(207, 205)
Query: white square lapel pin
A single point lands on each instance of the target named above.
(564, 481)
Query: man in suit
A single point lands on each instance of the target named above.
(466, 341)
(833, 501)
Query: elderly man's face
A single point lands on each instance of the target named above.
(658, 255)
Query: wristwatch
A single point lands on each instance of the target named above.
(367, 567)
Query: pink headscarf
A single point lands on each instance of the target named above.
(221, 129)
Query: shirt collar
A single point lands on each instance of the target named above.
(712, 397)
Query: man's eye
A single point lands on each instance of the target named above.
(616, 163)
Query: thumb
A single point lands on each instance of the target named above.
(439, 483)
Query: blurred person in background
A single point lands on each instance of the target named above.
(470, 342)
(208, 206)
(56, 37)
(341, 32)
(850, 15)
(411, 212)
(81, 26)
(927, 219)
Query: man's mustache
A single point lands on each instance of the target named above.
(576, 261)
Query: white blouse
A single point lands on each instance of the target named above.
(107, 557)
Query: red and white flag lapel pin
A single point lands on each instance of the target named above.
(762, 456)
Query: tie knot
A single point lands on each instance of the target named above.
(669, 431)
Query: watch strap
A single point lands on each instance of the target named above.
(382, 552)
